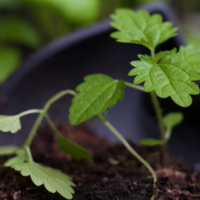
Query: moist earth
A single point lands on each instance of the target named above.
(114, 175)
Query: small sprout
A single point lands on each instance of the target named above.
(170, 121)
(165, 74)
(52, 179)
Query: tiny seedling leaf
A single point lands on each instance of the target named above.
(16, 160)
(150, 142)
(141, 28)
(8, 150)
(96, 94)
(172, 77)
(10, 123)
(73, 149)
(54, 180)
(172, 119)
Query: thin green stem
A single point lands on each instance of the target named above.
(53, 126)
(138, 87)
(159, 115)
(128, 146)
(28, 152)
(152, 52)
(43, 113)
(34, 128)
(29, 112)
(56, 97)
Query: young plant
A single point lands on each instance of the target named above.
(54, 180)
(165, 74)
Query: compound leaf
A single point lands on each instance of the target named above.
(53, 180)
(96, 94)
(172, 119)
(141, 28)
(150, 142)
(172, 77)
(10, 123)
(73, 149)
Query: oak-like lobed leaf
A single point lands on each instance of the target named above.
(52, 179)
(73, 149)
(172, 76)
(10, 123)
(172, 119)
(150, 142)
(96, 94)
(140, 27)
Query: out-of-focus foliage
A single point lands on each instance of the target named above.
(9, 59)
(29, 24)
(26, 25)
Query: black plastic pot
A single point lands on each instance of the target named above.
(62, 65)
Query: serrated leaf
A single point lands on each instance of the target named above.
(10, 123)
(53, 180)
(8, 150)
(172, 119)
(140, 28)
(73, 149)
(150, 142)
(96, 94)
(193, 51)
(172, 77)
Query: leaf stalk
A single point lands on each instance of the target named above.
(138, 87)
(128, 146)
(44, 112)
(28, 152)
(159, 117)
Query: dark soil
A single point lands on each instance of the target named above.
(114, 175)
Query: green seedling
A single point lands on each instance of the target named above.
(165, 74)
(54, 180)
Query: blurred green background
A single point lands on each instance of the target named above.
(27, 25)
